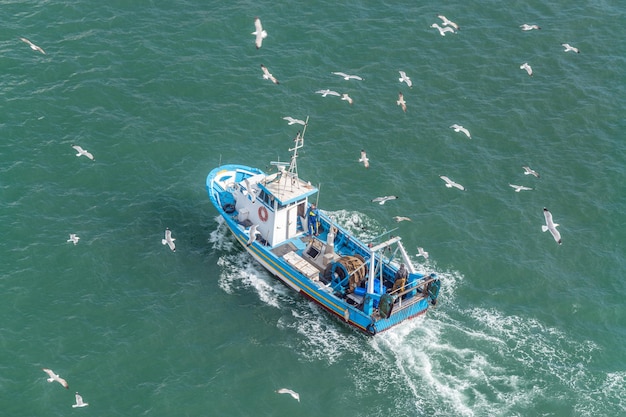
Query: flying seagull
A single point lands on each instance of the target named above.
(401, 219)
(294, 394)
(527, 67)
(364, 159)
(383, 200)
(291, 120)
(447, 22)
(55, 377)
(33, 46)
(267, 75)
(83, 152)
(259, 33)
(400, 102)
(551, 226)
(422, 252)
(459, 128)
(569, 48)
(527, 27)
(450, 183)
(252, 234)
(169, 240)
(519, 188)
(79, 402)
(442, 30)
(347, 98)
(348, 76)
(73, 238)
(326, 92)
(404, 79)
(529, 171)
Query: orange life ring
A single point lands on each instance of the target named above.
(263, 213)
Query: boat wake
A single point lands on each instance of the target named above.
(453, 361)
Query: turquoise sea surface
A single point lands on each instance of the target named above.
(163, 92)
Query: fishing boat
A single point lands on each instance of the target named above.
(372, 286)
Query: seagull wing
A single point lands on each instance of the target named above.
(342, 74)
(294, 394)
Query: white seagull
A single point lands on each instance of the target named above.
(405, 79)
(442, 30)
(347, 98)
(450, 183)
(83, 152)
(529, 171)
(326, 92)
(459, 128)
(252, 234)
(448, 22)
(519, 188)
(33, 46)
(551, 226)
(294, 394)
(527, 67)
(569, 48)
(348, 76)
(169, 240)
(527, 27)
(292, 121)
(383, 200)
(55, 377)
(402, 219)
(259, 33)
(422, 252)
(364, 159)
(73, 238)
(267, 75)
(400, 102)
(79, 402)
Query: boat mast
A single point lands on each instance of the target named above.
(299, 143)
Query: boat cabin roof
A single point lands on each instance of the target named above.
(286, 187)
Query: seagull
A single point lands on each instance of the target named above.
(250, 191)
(292, 121)
(528, 171)
(252, 234)
(459, 128)
(83, 152)
(383, 200)
(33, 46)
(259, 32)
(364, 159)
(551, 226)
(569, 47)
(169, 240)
(347, 98)
(401, 101)
(405, 79)
(527, 27)
(73, 238)
(450, 183)
(294, 394)
(527, 67)
(401, 219)
(79, 401)
(447, 22)
(55, 377)
(267, 75)
(422, 252)
(348, 76)
(519, 188)
(326, 92)
(442, 30)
